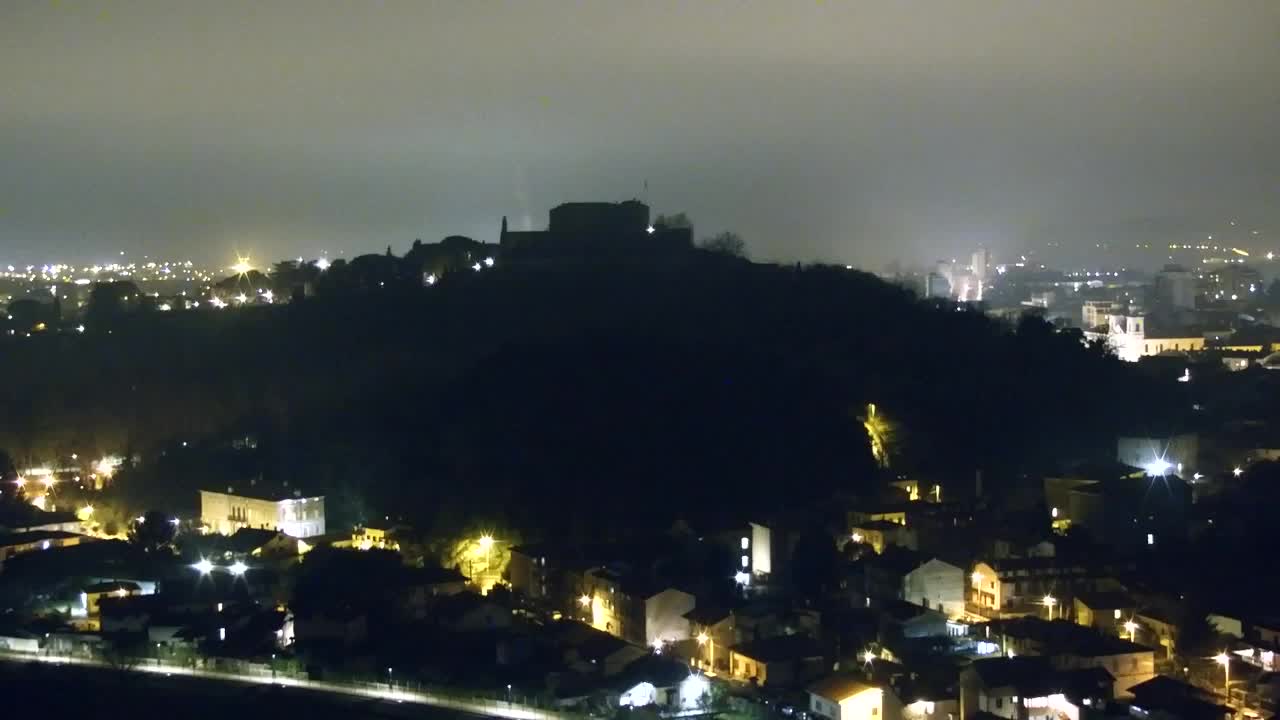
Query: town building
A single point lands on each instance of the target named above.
(1069, 646)
(851, 697)
(938, 585)
(288, 511)
(17, 543)
(627, 606)
(1030, 688)
(596, 233)
(1104, 611)
(779, 661)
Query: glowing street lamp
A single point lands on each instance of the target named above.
(868, 657)
(204, 567)
(708, 642)
(1132, 627)
(1237, 471)
(1049, 601)
(21, 482)
(486, 542)
(585, 600)
(1224, 660)
(322, 264)
(238, 568)
(242, 266)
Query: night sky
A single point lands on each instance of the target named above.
(848, 131)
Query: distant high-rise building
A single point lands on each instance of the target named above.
(981, 264)
(936, 286)
(1176, 287)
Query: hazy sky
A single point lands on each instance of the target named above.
(847, 131)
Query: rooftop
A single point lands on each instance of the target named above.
(23, 538)
(780, 648)
(1064, 637)
(265, 491)
(840, 687)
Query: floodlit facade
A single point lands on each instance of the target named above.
(296, 516)
(937, 585)
(846, 698)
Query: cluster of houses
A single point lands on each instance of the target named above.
(928, 608)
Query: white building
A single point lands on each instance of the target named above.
(845, 697)
(290, 514)
(937, 585)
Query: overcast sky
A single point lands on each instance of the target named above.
(847, 131)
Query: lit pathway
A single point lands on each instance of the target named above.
(491, 708)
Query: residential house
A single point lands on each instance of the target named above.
(1165, 698)
(1120, 505)
(851, 697)
(1105, 611)
(529, 573)
(1029, 688)
(17, 543)
(1015, 585)
(780, 661)
(938, 585)
(880, 534)
(1158, 628)
(664, 684)
(590, 651)
(713, 627)
(1070, 646)
(629, 606)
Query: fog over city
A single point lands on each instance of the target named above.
(851, 132)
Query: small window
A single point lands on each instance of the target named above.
(875, 711)
(745, 543)
(745, 561)
(1117, 614)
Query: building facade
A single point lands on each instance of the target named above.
(296, 516)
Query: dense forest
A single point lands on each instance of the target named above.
(570, 401)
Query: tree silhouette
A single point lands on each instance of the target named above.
(726, 243)
(153, 532)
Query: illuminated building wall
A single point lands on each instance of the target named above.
(225, 513)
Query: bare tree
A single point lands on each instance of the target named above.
(726, 243)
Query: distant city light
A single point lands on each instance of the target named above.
(649, 230)
(322, 264)
(488, 262)
(1237, 472)
(431, 279)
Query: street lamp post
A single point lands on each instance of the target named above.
(710, 643)
(389, 685)
(508, 693)
(1224, 660)
(273, 666)
(1049, 601)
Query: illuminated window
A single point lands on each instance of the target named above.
(1117, 614)
(745, 543)
(745, 561)
(1151, 539)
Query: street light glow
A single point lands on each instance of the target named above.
(1237, 471)
(584, 601)
(486, 542)
(238, 568)
(702, 638)
(204, 567)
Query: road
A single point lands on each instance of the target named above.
(162, 679)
